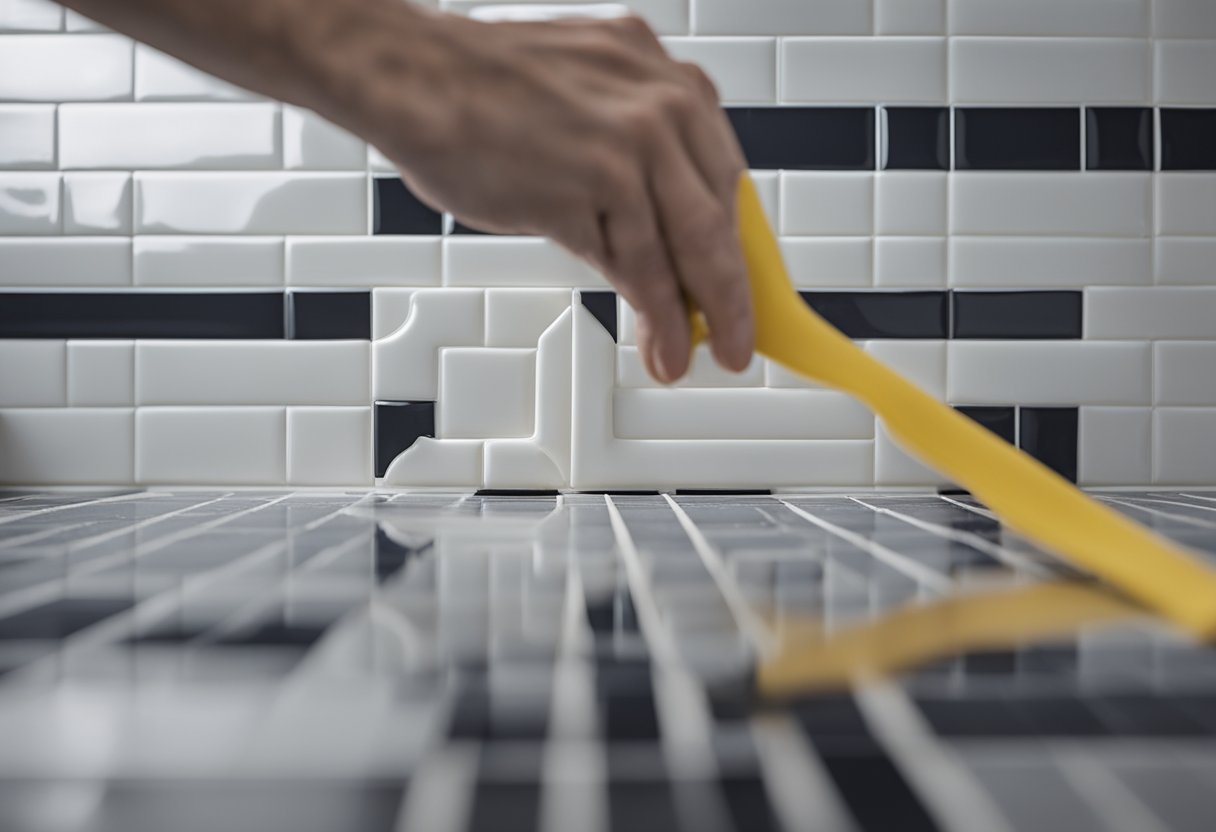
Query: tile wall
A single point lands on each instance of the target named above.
(1014, 203)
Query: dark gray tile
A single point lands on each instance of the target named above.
(210, 315)
(329, 315)
(1188, 139)
(602, 305)
(999, 420)
(1118, 138)
(916, 138)
(396, 210)
(1017, 315)
(805, 138)
(398, 426)
(1049, 434)
(864, 315)
(1023, 138)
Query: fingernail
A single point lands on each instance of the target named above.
(660, 368)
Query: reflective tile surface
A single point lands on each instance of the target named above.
(326, 661)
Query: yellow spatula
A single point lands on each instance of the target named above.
(1027, 496)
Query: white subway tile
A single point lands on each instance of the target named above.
(1049, 372)
(921, 362)
(1184, 452)
(390, 309)
(1183, 71)
(517, 317)
(776, 375)
(827, 203)
(30, 204)
(1184, 19)
(486, 393)
(626, 323)
(783, 17)
(911, 203)
(148, 136)
(887, 69)
(405, 363)
(1051, 204)
(364, 261)
(159, 77)
(1052, 263)
(1049, 70)
(61, 446)
(910, 17)
(30, 16)
(49, 68)
(101, 373)
(703, 371)
(894, 466)
(1115, 446)
(829, 261)
(664, 16)
(1170, 312)
(33, 373)
(329, 446)
(1184, 373)
(211, 445)
(768, 188)
(743, 69)
(1053, 18)
(208, 261)
(513, 261)
(312, 143)
(76, 22)
(250, 203)
(691, 414)
(97, 203)
(251, 372)
(29, 136)
(1186, 260)
(910, 262)
(55, 261)
(1186, 204)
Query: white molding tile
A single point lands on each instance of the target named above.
(486, 393)
(250, 203)
(81, 445)
(46, 262)
(30, 203)
(743, 69)
(513, 261)
(187, 136)
(1183, 450)
(909, 17)
(757, 414)
(329, 446)
(29, 136)
(47, 68)
(1115, 446)
(33, 373)
(390, 309)
(886, 69)
(159, 77)
(1050, 18)
(313, 143)
(1186, 260)
(783, 17)
(434, 463)
(1168, 312)
(911, 203)
(819, 203)
(518, 463)
(30, 16)
(208, 261)
(101, 373)
(97, 203)
(829, 262)
(1184, 373)
(1183, 71)
(703, 371)
(211, 445)
(364, 262)
(405, 363)
(1186, 204)
(517, 317)
(894, 466)
(921, 362)
(910, 262)
(1051, 204)
(1049, 70)
(1049, 263)
(251, 372)
(1049, 372)
(1184, 19)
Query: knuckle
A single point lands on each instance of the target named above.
(701, 80)
(635, 28)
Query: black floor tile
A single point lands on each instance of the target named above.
(916, 138)
(1058, 716)
(1118, 138)
(1022, 138)
(212, 315)
(805, 138)
(1142, 715)
(975, 718)
(61, 618)
(396, 210)
(505, 807)
(329, 315)
(1017, 315)
(876, 792)
(748, 802)
(641, 806)
(1188, 139)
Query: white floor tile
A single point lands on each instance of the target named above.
(486, 393)
(97, 203)
(886, 69)
(45, 262)
(32, 373)
(1169, 312)
(58, 446)
(840, 204)
(1186, 204)
(1050, 18)
(312, 143)
(517, 317)
(47, 68)
(910, 262)
(1115, 446)
(513, 261)
(1051, 204)
(159, 77)
(1049, 70)
(101, 373)
(829, 262)
(405, 364)
(911, 203)
(1184, 373)
(1049, 373)
(194, 262)
(1183, 71)
(1186, 260)
(1184, 452)
(329, 446)
(910, 17)
(687, 414)
(30, 203)
(29, 136)
(1050, 263)
(364, 261)
(782, 17)
(743, 69)
(211, 445)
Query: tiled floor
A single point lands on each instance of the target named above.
(299, 661)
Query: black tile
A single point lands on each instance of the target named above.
(398, 426)
(916, 138)
(398, 211)
(603, 306)
(990, 663)
(131, 314)
(505, 806)
(460, 228)
(876, 792)
(1049, 434)
(883, 314)
(974, 718)
(516, 492)
(1138, 715)
(1118, 138)
(1188, 139)
(829, 718)
(61, 618)
(1023, 138)
(999, 420)
(1058, 716)
(276, 633)
(641, 806)
(723, 492)
(748, 803)
(1013, 315)
(805, 138)
(626, 696)
(329, 315)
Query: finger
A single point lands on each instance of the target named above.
(712, 141)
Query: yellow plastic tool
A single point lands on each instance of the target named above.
(1027, 496)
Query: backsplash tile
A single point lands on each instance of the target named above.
(1024, 138)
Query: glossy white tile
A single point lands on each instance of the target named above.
(79, 445)
(517, 317)
(29, 136)
(1172, 312)
(431, 463)
(47, 68)
(47, 262)
(910, 17)
(829, 262)
(1183, 450)
(76, 22)
(1050, 18)
(513, 261)
(1186, 260)
(783, 17)
(909, 262)
(312, 143)
(250, 203)
(30, 16)
(1114, 446)
(921, 362)
(101, 373)
(1049, 372)
(1049, 263)
(1183, 71)
(33, 373)
(486, 393)
(405, 363)
(664, 16)
(30, 203)
(97, 203)
(329, 446)
(758, 414)
(211, 445)
(364, 261)
(1051, 204)
(1049, 70)
(1186, 204)
(626, 323)
(1184, 373)
(390, 309)
(818, 203)
(188, 136)
(208, 261)
(841, 70)
(894, 466)
(743, 69)
(159, 77)
(911, 203)
(1184, 19)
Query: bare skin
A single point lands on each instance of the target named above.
(583, 131)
